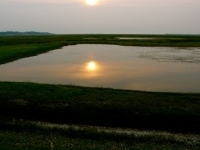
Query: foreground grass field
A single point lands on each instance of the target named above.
(44, 141)
(64, 104)
(19, 136)
(98, 106)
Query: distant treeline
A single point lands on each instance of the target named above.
(16, 33)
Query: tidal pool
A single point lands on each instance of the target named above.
(122, 67)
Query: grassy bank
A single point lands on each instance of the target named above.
(14, 52)
(13, 48)
(20, 135)
(40, 141)
(98, 106)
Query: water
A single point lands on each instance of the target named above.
(134, 38)
(122, 67)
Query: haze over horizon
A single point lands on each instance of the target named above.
(101, 16)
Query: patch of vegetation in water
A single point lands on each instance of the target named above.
(171, 55)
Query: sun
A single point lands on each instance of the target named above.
(91, 2)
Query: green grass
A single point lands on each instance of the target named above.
(39, 141)
(175, 112)
(14, 52)
(30, 136)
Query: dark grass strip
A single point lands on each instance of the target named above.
(175, 112)
(91, 134)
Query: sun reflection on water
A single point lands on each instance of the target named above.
(91, 66)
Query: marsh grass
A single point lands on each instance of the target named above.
(31, 135)
(175, 112)
(37, 141)
(14, 52)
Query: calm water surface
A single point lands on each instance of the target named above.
(124, 67)
(135, 38)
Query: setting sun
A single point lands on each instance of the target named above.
(91, 2)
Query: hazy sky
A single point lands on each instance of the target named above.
(105, 16)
